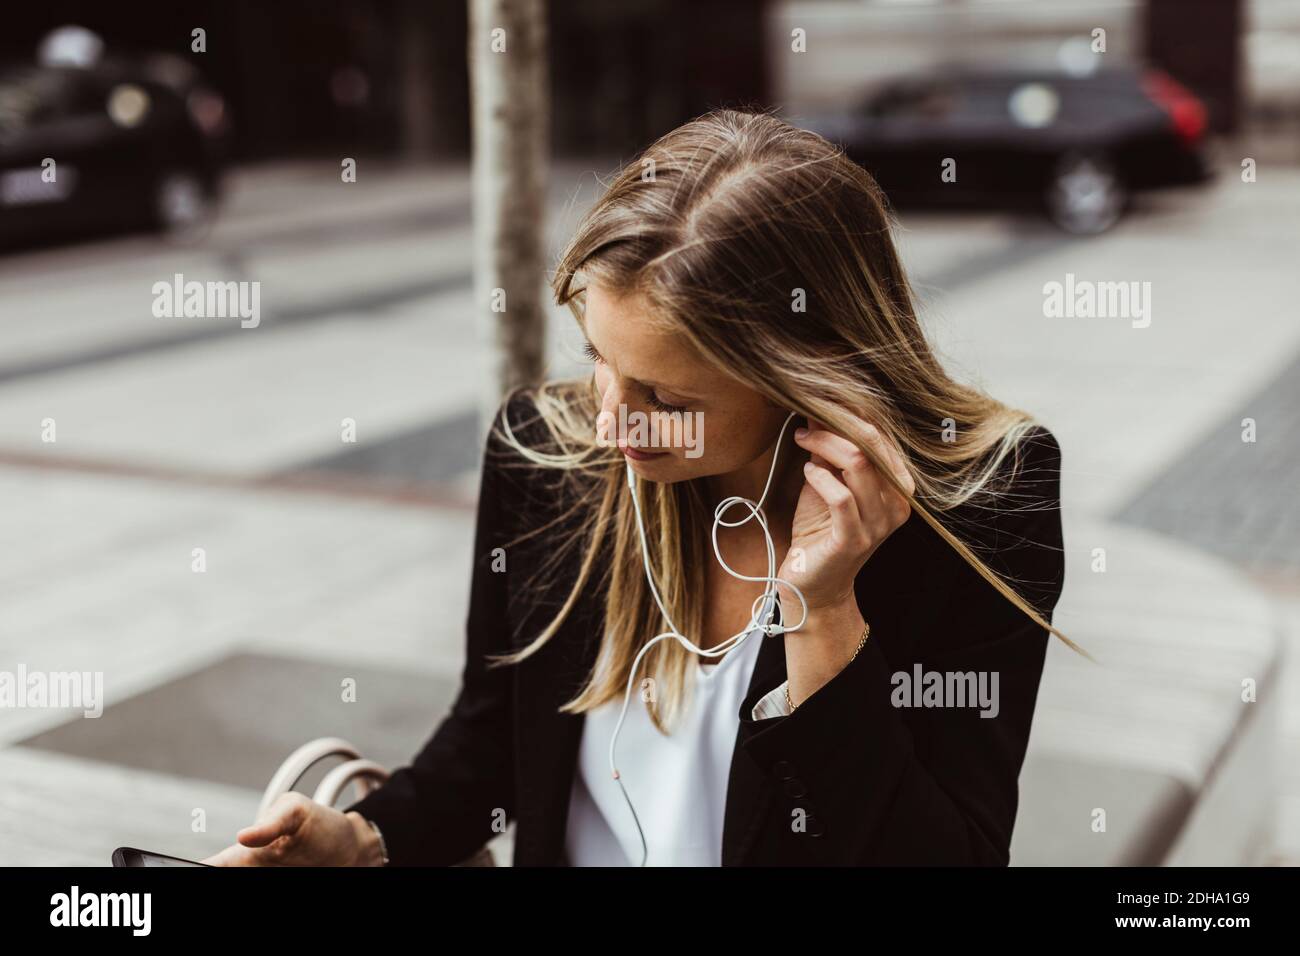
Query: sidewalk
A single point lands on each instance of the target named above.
(166, 448)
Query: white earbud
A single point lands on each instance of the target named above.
(764, 606)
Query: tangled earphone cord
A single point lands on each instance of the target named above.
(762, 607)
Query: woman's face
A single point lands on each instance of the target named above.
(673, 415)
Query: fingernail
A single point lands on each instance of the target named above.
(800, 432)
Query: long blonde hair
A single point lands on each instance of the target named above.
(723, 225)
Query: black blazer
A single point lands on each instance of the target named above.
(877, 783)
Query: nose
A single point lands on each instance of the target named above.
(614, 395)
(611, 396)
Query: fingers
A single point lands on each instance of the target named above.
(843, 507)
(264, 843)
(891, 456)
(850, 464)
(234, 855)
(875, 497)
(895, 505)
(874, 439)
(284, 817)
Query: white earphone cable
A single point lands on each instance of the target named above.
(763, 606)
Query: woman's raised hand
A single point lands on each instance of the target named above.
(845, 510)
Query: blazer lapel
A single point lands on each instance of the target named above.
(548, 741)
(747, 797)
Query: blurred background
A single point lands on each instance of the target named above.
(231, 520)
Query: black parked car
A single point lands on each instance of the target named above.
(112, 146)
(1077, 146)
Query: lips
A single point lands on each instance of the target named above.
(637, 454)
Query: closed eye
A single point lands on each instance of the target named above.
(654, 400)
(663, 406)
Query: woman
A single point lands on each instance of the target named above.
(867, 702)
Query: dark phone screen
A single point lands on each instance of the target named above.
(129, 857)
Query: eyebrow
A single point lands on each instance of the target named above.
(641, 381)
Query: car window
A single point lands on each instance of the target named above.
(983, 101)
(931, 101)
(32, 97)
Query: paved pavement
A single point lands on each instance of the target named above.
(1235, 497)
(173, 434)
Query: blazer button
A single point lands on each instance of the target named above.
(815, 827)
(782, 770)
(794, 788)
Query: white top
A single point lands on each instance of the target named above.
(677, 783)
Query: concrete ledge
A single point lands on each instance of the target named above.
(1157, 735)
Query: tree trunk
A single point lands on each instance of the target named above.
(510, 111)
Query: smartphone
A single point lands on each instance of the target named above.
(129, 856)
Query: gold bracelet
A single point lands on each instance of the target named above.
(866, 631)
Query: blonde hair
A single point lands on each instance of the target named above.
(718, 226)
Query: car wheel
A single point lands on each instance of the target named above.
(182, 204)
(1086, 195)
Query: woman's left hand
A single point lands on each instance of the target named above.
(844, 512)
